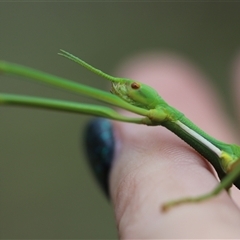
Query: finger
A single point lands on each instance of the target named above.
(152, 166)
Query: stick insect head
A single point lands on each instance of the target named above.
(133, 92)
(136, 93)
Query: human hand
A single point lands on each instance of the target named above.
(152, 166)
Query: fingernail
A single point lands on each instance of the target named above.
(100, 144)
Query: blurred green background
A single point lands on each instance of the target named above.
(46, 187)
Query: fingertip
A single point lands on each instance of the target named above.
(152, 165)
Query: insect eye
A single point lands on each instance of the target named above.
(135, 85)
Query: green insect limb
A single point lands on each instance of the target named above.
(66, 106)
(32, 74)
(225, 184)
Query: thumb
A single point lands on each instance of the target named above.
(152, 166)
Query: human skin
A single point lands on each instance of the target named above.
(152, 166)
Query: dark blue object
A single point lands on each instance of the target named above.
(100, 144)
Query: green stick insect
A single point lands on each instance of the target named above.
(142, 100)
